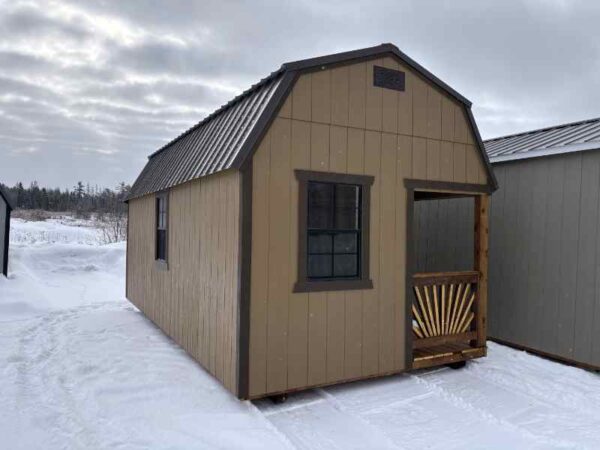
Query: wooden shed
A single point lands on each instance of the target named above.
(544, 241)
(273, 240)
(5, 209)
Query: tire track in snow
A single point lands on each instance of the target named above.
(338, 405)
(42, 374)
(485, 415)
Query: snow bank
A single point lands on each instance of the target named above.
(59, 264)
(63, 230)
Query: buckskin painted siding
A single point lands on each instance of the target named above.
(335, 120)
(195, 301)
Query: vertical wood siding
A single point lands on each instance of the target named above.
(443, 235)
(545, 228)
(335, 120)
(195, 301)
(544, 279)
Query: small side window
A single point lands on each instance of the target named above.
(161, 227)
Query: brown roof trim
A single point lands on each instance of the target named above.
(293, 69)
(492, 181)
(289, 72)
(322, 62)
(381, 49)
(218, 111)
(266, 118)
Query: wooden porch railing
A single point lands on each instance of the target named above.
(445, 308)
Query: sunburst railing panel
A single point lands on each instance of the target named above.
(444, 307)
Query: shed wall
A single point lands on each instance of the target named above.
(195, 301)
(443, 235)
(335, 120)
(544, 279)
(4, 219)
(545, 239)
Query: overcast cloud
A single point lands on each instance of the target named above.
(89, 89)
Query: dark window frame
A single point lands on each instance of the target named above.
(362, 281)
(160, 262)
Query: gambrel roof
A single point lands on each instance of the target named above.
(225, 138)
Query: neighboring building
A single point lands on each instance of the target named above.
(544, 290)
(273, 240)
(545, 241)
(5, 208)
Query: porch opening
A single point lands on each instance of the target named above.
(447, 308)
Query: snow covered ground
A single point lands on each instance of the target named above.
(81, 368)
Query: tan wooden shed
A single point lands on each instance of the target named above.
(273, 240)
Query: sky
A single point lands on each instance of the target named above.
(89, 89)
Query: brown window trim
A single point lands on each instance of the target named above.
(304, 284)
(161, 264)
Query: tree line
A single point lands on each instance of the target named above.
(83, 199)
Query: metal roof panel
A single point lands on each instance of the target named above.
(566, 138)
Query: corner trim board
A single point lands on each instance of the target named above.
(409, 271)
(6, 240)
(245, 271)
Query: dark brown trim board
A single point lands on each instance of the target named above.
(244, 283)
(447, 186)
(545, 355)
(161, 264)
(6, 240)
(410, 270)
(480, 194)
(303, 283)
(126, 255)
(328, 383)
(262, 125)
(492, 181)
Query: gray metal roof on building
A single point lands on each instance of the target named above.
(566, 138)
(6, 198)
(225, 138)
(211, 145)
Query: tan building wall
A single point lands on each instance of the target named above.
(195, 301)
(335, 120)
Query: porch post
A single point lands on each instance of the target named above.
(481, 265)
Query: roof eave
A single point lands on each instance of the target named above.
(492, 180)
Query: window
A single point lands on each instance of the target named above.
(161, 227)
(333, 231)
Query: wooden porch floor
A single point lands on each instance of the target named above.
(445, 354)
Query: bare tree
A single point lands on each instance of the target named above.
(113, 227)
